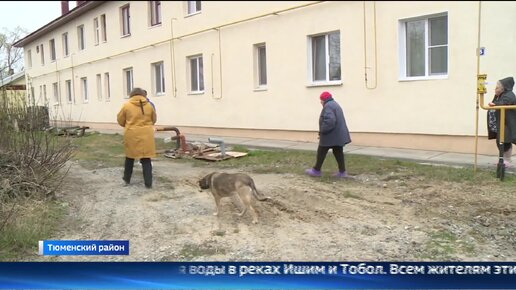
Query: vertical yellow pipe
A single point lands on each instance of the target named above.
(478, 72)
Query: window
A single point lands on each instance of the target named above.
(424, 47)
(193, 7)
(52, 45)
(159, 78)
(260, 65)
(107, 87)
(80, 36)
(196, 74)
(68, 84)
(42, 54)
(128, 80)
(155, 12)
(325, 57)
(66, 51)
(125, 17)
(99, 86)
(103, 26)
(43, 93)
(84, 89)
(29, 58)
(55, 88)
(96, 30)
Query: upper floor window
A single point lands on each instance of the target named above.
(52, 45)
(42, 53)
(193, 7)
(66, 51)
(29, 58)
(103, 27)
(96, 30)
(80, 36)
(125, 20)
(325, 57)
(260, 65)
(196, 74)
(424, 47)
(155, 12)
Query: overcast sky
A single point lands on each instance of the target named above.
(30, 15)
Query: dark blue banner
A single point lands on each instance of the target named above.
(82, 248)
(259, 275)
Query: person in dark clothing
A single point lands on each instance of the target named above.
(333, 134)
(504, 95)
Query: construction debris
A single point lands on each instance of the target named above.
(214, 150)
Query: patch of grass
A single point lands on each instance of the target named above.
(104, 150)
(443, 245)
(191, 251)
(349, 194)
(32, 221)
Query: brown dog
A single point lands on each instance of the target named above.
(237, 184)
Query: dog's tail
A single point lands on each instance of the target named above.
(257, 194)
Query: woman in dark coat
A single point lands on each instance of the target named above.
(333, 134)
(503, 96)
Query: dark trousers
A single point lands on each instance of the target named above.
(147, 170)
(338, 152)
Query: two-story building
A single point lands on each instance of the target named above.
(404, 72)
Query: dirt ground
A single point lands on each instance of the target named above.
(368, 218)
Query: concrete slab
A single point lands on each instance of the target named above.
(397, 153)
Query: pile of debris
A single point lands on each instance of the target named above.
(214, 150)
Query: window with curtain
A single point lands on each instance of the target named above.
(325, 57)
(426, 47)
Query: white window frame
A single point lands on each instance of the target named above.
(69, 94)
(29, 58)
(125, 20)
(80, 37)
(99, 86)
(107, 87)
(191, 7)
(403, 50)
(103, 25)
(96, 30)
(259, 84)
(128, 76)
(55, 87)
(155, 13)
(52, 46)
(158, 78)
(42, 52)
(84, 89)
(199, 85)
(327, 80)
(66, 49)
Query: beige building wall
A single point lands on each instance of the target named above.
(436, 113)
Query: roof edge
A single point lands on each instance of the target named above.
(61, 20)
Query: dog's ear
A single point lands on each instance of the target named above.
(208, 178)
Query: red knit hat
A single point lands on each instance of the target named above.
(324, 96)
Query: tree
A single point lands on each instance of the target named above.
(11, 57)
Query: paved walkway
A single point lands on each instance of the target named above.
(421, 156)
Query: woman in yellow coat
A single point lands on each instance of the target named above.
(138, 117)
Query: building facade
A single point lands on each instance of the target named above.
(404, 72)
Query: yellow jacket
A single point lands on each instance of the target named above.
(138, 116)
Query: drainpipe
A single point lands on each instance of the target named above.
(479, 96)
(172, 56)
(375, 49)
